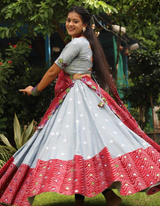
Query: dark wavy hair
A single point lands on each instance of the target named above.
(100, 65)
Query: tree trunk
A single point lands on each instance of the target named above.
(118, 49)
(151, 100)
(60, 31)
(139, 116)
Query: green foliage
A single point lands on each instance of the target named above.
(17, 75)
(141, 19)
(7, 144)
(95, 7)
(135, 12)
(144, 83)
(21, 136)
(4, 156)
(39, 15)
(147, 72)
(11, 57)
(148, 36)
(148, 128)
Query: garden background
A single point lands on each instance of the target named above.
(23, 25)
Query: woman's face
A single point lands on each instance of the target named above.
(74, 24)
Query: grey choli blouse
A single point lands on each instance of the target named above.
(76, 57)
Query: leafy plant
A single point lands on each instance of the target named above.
(21, 136)
(10, 58)
(143, 83)
(5, 71)
(15, 73)
(4, 156)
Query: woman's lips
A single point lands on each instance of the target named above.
(70, 29)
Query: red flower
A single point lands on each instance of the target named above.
(14, 46)
(30, 46)
(9, 43)
(9, 62)
(0, 63)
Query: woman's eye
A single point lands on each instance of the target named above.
(74, 21)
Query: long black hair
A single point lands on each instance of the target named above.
(100, 65)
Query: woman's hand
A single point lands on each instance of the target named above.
(27, 90)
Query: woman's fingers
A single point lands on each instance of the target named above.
(26, 90)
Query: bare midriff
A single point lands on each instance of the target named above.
(78, 76)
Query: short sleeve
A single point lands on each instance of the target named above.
(70, 51)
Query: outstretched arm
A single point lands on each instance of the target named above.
(49, 76)
(65, 58)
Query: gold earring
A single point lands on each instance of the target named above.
(84, 29)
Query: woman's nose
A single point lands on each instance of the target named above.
(70, 23)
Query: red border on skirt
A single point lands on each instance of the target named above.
(134, 172)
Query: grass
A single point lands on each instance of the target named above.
(54, 199)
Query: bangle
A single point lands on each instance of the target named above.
(35, 91)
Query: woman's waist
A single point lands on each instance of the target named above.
(78, 70)
(79, 76)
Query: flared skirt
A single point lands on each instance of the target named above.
(82, 149)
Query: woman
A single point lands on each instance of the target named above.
(86, 143)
